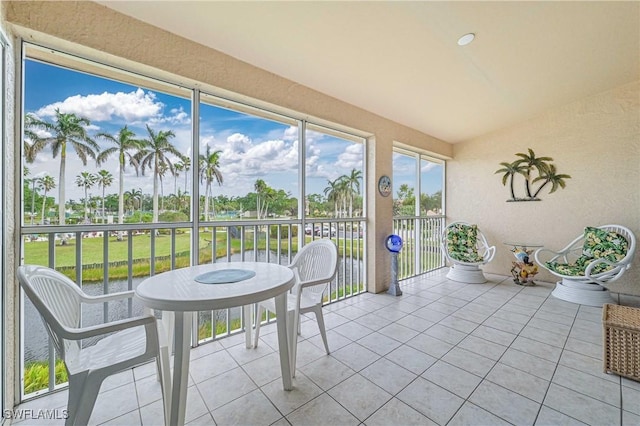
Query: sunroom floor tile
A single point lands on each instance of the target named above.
(443, 353)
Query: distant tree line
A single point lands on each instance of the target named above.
(156, 154)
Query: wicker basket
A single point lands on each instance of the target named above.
(621, 340)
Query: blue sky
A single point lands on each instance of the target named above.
(252, 147)
(404, 172)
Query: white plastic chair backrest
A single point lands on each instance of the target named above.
(315, 262)
(58, 300)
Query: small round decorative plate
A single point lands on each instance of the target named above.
(224, 276)
(384, 185)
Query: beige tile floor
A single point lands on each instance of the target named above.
(443, 353)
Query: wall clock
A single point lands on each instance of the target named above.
(384, 185)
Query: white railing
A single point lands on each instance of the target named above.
(108, 258)
(421, 251)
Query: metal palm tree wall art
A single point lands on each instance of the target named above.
(534, 170)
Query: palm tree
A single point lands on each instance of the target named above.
(510, 170)
(154, 153)
(67, 129)
(209, 164)
(125, 145)
(343, 190)
(178, 168)
(129, 201)
(353, 186)
(32, 144)
(47, 183)
(550, 176)
(34, 184)
(186, 163)
(104, 179)
(26, 172)
(133, 198)
(162, 170)
(260, 186)
(85, 180)
(130, 198)
(332, 192)
(531, 162)
(180, 200)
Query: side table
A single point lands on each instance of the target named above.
(523, 269)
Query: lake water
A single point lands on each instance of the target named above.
(36, 338)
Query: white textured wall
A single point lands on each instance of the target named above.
(596, 140)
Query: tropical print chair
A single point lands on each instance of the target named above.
(599, 256)
(466, 249)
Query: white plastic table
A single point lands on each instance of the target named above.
(177, 291)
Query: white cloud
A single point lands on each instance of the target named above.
(238, 143)
(313, 161)
(291, 133)
(176, 116)
(133, 107)
(242, 161)
(272, 156)
(43, 134)
(351, 158)
(428, 166)
(253, 160)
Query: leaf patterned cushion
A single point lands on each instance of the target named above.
(462, 241)
(598, 244)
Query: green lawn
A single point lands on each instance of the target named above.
(37, 252)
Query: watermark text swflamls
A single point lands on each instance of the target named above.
(35, 414)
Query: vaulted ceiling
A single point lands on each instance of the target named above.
(401, 60)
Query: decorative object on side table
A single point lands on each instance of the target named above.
(523, 269)
(394, 245)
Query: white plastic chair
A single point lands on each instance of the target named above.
(589, 262)
(128, 342)
(314, 267)
(466, 249)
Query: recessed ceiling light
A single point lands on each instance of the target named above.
(466, 39)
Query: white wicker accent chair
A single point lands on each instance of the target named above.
(587, 264)
(466, 249)
(314, 266)
(128, 342)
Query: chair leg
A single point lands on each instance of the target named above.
(258, 321)
(292, 325)
(76, 389)
(84, 399)
(323, 331)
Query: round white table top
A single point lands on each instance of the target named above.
(177, 290)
